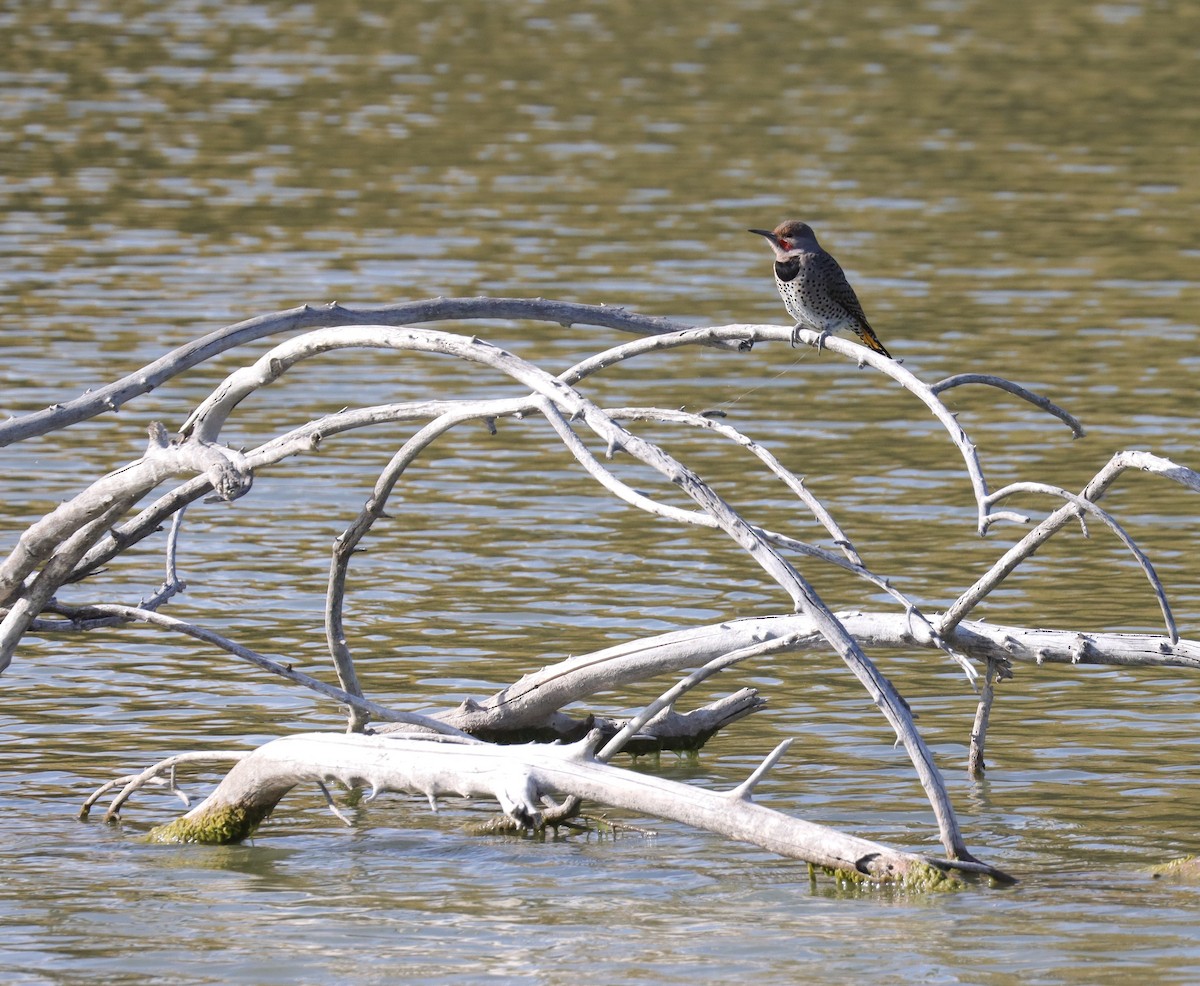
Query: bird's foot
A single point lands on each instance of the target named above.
(820, 338)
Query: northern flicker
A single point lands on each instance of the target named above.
(813, 285)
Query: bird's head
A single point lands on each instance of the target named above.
(789, 238)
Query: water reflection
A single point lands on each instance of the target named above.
(1011, 187)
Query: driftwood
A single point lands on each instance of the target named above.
(519, 777)
(79, 537)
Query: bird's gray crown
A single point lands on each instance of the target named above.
(793, 234)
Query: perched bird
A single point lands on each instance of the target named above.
(814, 286)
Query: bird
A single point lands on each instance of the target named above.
(814, 287)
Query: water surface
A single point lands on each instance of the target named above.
(1012, 190)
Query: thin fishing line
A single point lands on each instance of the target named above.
(747, 393)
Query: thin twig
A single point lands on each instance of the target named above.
(1031, 542)
(1090, 507)
(790, 480)
(1037, 400)
(133, 614)
(152, 776)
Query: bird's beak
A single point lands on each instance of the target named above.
(780, 253)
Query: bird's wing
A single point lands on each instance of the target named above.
(841, 292)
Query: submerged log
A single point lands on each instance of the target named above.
(519, 777)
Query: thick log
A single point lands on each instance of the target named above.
(517, 777)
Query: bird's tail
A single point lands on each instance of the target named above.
(871, 340)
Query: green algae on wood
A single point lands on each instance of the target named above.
(918, 876)
(1185, 868)
(217, 826)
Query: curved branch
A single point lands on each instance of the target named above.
(223, 468)
(346, 543)
(1107, 518)
(1037, 400)
(860, 354)
(133, 783)
(39, 591)
(683, 686)
(309, 436)
(305, 438)
(851, 563)
(1030, 543)
(113, 396)
(790, 479)
(530, 701)
(208, 419)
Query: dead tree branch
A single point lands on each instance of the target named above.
(518, 778)
(79, 537)
(206, 422)
(121, 392)
(1029, 544)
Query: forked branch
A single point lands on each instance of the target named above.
(83, 534)
(1031, 542)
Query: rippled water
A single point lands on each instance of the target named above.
(1012, 189)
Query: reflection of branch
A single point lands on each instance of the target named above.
(1030, 543)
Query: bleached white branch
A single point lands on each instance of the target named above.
(518, 777)
(745, 790)
(73, 541)
(538, 695)
(153, 777)
(224, 469)
(842, 347)
(141, 381)
(1037, 400)
(206, 422)
(786, 476)
(684, 685)
(1095, 490)
(1087, 506)
(305, 438)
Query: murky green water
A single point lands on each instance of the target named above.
(1013, 189)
